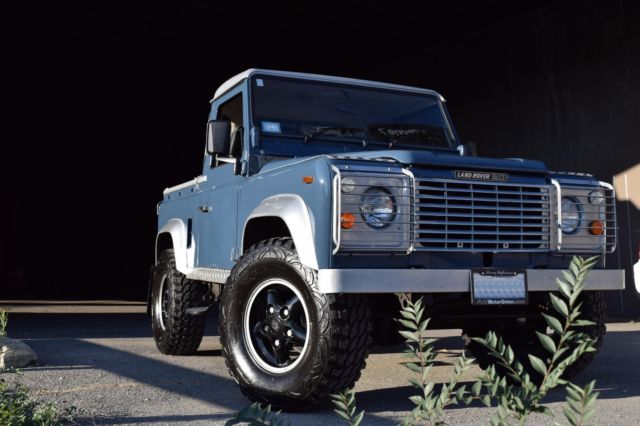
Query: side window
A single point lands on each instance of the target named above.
(232, 112)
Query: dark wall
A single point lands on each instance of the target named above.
(104, 105)
(560, 84)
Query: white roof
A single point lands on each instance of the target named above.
(233, 81)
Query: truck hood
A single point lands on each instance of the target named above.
(448, 160)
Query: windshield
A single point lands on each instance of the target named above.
(301, 117)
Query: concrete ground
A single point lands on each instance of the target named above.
(100, 357)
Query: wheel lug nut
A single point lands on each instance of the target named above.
(289, 333)
(266, 328)
(285, 312)
(271, 309)
(276, 342)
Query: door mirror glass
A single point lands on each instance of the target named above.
(218, 137)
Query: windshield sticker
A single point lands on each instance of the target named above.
(259, 82)
(271, 127)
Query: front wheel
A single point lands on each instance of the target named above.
(286, 343)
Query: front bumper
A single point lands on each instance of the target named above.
(446, 280)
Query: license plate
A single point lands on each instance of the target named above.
(498, 287)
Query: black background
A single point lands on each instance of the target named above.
(104, 104)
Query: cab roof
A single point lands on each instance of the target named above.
(237, 79)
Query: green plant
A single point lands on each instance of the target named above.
(256, 414)
(580, 406)
(564, 347)
(429, 404)
(4, 320)
(17, 408)
(345, 403)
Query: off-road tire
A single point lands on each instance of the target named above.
(180, 333)
(339, 331)
(524, 340)
(594, 309)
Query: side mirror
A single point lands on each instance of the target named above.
(218, 137)
(469, 149)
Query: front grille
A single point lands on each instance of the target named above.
(481, 216)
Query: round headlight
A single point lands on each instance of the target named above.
(571, 215)
(377, 207)
(596, 197)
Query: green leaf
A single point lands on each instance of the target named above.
(563, 284)
(358, 419)
(476, 388)
(588, 415)
(486, 400)
(571, 416)
(547, 342)
(344, 415)
(553, 322)
(409, 324)
(416, 399)
(408, 315)
(574, 392)
(415, 383)
(583, 323)
(559, 305)
(538, 364)
(412, 366)
(410, 336)
(340, 405)
(460, 392)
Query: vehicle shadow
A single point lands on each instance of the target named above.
(81, 325)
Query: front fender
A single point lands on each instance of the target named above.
(184, 255)
(292, 209)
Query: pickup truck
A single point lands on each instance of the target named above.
(321, 198)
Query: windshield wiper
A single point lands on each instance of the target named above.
(321, 130)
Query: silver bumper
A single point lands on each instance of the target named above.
(446, 280)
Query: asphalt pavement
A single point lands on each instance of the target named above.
(100, 357)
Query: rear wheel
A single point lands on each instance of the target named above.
(286, 343)
(175, 331)
(524, 341)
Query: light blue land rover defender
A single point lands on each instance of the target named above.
(320, 197)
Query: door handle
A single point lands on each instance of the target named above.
(204, 209)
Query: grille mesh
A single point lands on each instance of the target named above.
(475, 216)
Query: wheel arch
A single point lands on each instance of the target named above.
(174, 234)
(283, 213)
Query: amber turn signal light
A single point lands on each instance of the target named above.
(347, 220)
(307, 179)
(596, 227)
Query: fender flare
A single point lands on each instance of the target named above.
(292, 209)
(184, 256)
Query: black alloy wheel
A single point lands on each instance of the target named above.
(276, 326)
